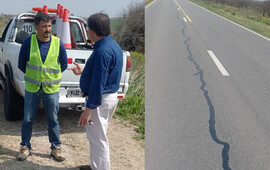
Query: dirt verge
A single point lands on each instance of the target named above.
(126, 152)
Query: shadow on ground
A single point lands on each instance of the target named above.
(67, 118)
(8, 162)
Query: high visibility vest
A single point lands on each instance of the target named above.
(48, 73)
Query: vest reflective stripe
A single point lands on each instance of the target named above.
(39, 68)
(48, 73)
(49, 83)
(34, 67)
(33, 81)
(50, 70)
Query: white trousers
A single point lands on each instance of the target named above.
(96, 132)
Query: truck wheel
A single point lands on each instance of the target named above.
(13, 102)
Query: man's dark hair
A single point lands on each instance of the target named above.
(41, 17)
(100, 24)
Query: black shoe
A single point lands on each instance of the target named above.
(85, 167)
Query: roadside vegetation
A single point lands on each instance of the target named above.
(4, 19)
(254, 15)
(147, 2)
(132, 108)
(128, 31)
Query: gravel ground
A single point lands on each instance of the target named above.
(126, 152)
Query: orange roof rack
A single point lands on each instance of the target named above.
(41, 9)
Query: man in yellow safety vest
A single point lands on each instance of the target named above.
(42, 58)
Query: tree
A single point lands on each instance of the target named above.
(265, 5)
(130, 34)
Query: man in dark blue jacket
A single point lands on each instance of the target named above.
(100, 80)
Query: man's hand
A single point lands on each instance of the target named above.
(85, 117)
(77, 70)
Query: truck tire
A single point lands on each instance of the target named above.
(13, 102)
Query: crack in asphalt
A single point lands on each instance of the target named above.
(212, 129)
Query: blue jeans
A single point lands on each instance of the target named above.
(51, 106)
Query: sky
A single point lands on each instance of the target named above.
(82, 8)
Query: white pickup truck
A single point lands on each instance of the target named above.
(12, 78)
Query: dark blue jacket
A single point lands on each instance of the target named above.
(102, 72)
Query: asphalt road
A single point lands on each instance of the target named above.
(202, 113)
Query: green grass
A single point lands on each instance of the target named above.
(245, 16)
(3, 24)
(148, 2)
(116, 22)
(4, 19)
(132, 107)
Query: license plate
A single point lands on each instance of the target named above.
(74, 93)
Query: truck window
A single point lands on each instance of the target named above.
(26, 27)
(75, 28)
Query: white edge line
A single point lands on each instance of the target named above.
(218, 63)
(150, 4)
(233, 22)
(184, 19)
